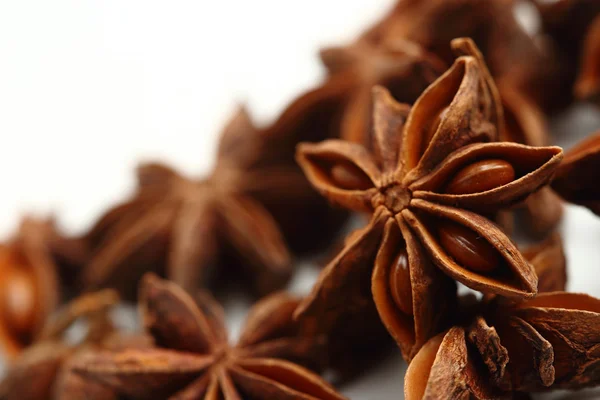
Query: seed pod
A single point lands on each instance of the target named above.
(349, 177)
(400, 286)
(467, 248)
(481, 176)
(18, 300)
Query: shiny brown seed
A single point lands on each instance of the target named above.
(399, 280)
(348, 176)
(481, 176)
(17, 300)
(468, 248)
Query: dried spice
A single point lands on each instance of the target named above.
(403, 68)
(574, 25)
(514, 57)
(31, 265)
(587, 85)
(470, 358)
(429, 184)
(39, 372)
(526, 124)
(194, 359)
(550, 264)
(541, 344)
(577, 178)
(198, 231)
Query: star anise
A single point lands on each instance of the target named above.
(587, 85)
(512, 55)
(429, 185)
(541, 344)
(577, 179)
(550, 264)
(40, 372)
(196, 231)
(525, 123)
(30, 265)
(194, 360)
(575, 26)
(404, 68)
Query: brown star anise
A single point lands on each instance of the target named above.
(512, 55)
(403, 68)
(198, 230)
(40, 371)
(577, 179)
(575, 26)
(541, 344)
(433, 178)
(587, 85)
(525, 123)
(30, 266)
(194, 360)
(550, 264)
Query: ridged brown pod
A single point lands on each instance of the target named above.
(193, 359)
(403, 185)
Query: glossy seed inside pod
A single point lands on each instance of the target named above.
(481, 176)
(17, 299)
(348, 176)
(468, 248)
(399, 280)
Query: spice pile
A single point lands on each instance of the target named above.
(433, 125)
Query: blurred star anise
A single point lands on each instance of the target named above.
(404, 68)
(513, 56)
(31, 264)
(430, 184)
(575, 27)
(577, 179)
(194, 360)
(196, 231)
(40, 372)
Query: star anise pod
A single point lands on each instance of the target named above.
(470, 360)
(194, 360)
(541, 344)
(513, 56)
(575, 26)
(525, 123)
(196, 231)
(587, 85)
(39, 372)
(577, 179)
(432, 180)
(550, 264)
(404, 68)
(31, 264)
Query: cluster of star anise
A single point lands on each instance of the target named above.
(433, 125)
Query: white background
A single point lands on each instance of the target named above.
(90, 88)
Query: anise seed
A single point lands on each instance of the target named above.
(481, 176)
(17, 300)
(399, 281)
(348, 176)
(468, 248)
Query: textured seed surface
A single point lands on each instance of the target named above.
(400, 286)
(468, 248)
(481, 176)
(347, 176)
